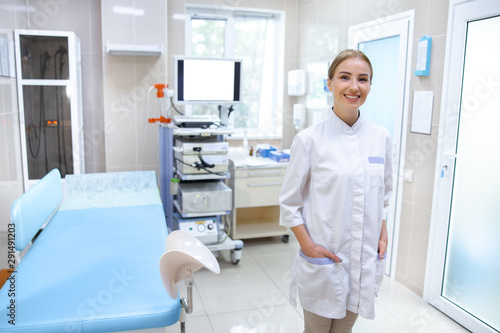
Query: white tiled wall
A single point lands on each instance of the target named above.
(132, 143)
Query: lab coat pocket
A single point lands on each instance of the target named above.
(376, 174)
(317, 261)
(319, 282)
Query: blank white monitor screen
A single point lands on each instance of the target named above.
(208, 80)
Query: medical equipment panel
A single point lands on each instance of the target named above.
(197, 121)
(193, 156)
(193, 164)
(204, 197)
(207, 80)
(204, 228)
(195, 146)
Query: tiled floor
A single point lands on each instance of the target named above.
(251, 297)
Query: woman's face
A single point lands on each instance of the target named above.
(350, 84)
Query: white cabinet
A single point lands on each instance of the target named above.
(134, 27)
(256, 205)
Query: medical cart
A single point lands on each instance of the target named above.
(190, 192)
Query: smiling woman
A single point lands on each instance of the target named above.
(349, 79)
(335, 198)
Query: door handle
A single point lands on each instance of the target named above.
(263, 173)
(444, 168)
(264, 184)
(451, 157)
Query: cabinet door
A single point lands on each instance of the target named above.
(50, 105)
(257, 191)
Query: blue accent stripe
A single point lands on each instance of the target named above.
(317, 261)
(375, 159)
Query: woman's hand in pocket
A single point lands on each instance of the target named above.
(318, 251)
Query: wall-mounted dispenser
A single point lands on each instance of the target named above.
(299, 116)
(424, 56)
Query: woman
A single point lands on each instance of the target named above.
(335, 198)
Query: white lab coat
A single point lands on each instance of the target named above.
(338, 184)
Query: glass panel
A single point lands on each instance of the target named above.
(47, 119)
(472, 268)
(44, 57)
(253, 46)
(208, 37)
(384, 56)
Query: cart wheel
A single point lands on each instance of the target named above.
(285, 238)
(235, 256)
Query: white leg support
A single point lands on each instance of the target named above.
(185, 255)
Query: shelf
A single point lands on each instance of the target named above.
(259, 229)
(200, 214)
(203, 176)
(135, 50)
(257, 222)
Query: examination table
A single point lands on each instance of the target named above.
(95, 267)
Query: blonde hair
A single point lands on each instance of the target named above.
(348, 54)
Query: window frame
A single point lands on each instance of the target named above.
(229, 14)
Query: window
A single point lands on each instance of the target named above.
(257, 38)
(207, 37)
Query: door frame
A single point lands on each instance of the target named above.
(460, 13)
(401, 24)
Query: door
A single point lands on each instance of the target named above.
(464, 268)
(387, 44)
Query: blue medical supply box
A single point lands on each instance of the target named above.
(266, 152)
(279, 156)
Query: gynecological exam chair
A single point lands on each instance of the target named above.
(99, 263)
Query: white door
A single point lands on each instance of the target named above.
(387, 43)
(463, 277)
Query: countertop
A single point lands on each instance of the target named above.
(242, 160)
